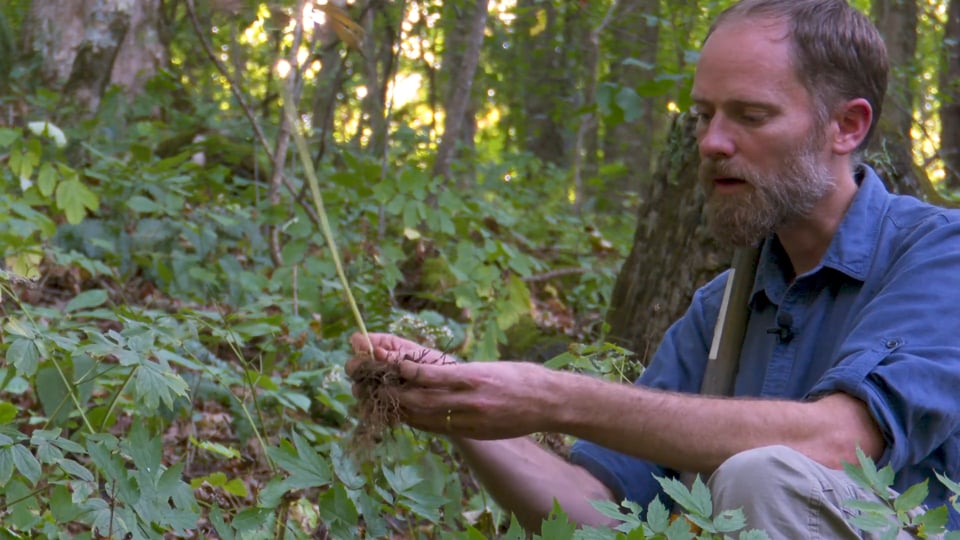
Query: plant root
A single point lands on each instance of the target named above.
(377, 408)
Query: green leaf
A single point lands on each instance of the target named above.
(345, 468)
(557, 526)
(23, 515)
(370, 508)
(155, 384)
(609, 509)
(515, 303)
(339, 512)
(857, 475)
(8, 136)
(871, 522)
(307, 469)
(216, 448)
(474, 534)
(253, 519)
(73, 468)
(28, 465)
(873, 507)
(46, 179)
(911, 498)
(658, 516)
(24, 355)
(53, 394)
(402, 478)
(6, 465)
(754, 534)
(17, 328)
(224, 531)
(951, 485)
(86, 300)
(62, 507)
(729, 521)
(8, 412)
(236, 487)
(697, 502)
(932, 522)
(515, 531)
(142, 205)
(75, 198)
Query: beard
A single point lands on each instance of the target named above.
(779, 197)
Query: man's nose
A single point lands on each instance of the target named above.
(715, 138)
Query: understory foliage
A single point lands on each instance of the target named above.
(162, 376)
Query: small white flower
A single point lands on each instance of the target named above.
(25, 183)
(45, 128)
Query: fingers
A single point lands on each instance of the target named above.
(393, 348)
(446, 377)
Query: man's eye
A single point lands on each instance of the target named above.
(752, 117)
(700, 114)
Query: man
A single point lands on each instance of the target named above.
(863, 283)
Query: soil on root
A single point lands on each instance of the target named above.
(377, 408)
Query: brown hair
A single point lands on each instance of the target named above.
(838, 54)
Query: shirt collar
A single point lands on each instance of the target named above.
(851, 250)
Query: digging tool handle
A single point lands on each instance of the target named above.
(724, 357)
(728, 334)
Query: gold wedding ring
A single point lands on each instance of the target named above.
(449, 414)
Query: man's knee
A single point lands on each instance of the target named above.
(765, 473)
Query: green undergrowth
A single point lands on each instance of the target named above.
(169, 370)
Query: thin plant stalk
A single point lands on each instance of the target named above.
(311, 174)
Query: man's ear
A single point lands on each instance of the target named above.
(852, 121)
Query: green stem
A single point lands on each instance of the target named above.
(311, 175)
(116, 397)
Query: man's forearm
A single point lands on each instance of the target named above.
(697, 433)
(525, 478)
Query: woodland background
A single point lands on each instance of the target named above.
(504, 179)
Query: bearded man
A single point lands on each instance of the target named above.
(786, 93)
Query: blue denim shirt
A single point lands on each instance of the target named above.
(879, 319)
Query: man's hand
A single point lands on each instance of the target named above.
(393, 349)
(482, 400)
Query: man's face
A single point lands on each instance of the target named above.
(763, 153)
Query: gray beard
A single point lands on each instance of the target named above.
(778, 198)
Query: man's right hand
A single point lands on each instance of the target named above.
(390, 348)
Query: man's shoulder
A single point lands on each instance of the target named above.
(709, 297)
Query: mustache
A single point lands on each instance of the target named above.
(711, 168)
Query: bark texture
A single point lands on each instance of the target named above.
(458, 98)
(636, 31)
(950, 96)
(890, 149)
(86, 45)
(673, 253)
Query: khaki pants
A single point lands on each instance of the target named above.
(788, 495)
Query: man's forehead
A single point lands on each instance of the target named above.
(747, 60)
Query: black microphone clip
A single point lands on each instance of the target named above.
(784, 329)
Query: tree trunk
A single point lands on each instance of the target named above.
(634, 143)
(459, 89)
(672, 253)
(86, 45)
(892, 147)
(950, 98)
(544, 84)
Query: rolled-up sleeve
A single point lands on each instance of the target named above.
(902, 355)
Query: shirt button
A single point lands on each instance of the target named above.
(892, 344)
